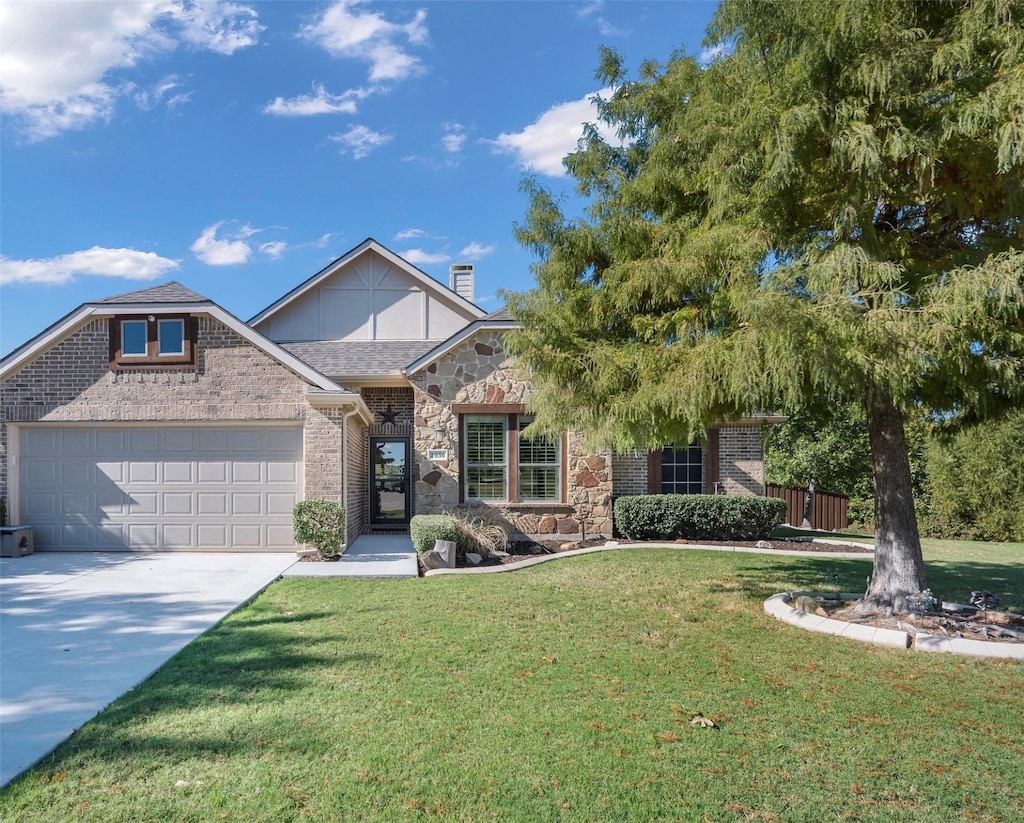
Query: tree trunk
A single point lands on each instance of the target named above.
(808, 521)
(899, 564)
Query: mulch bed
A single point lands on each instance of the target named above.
(971, 624)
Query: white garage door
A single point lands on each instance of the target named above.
(202, 488)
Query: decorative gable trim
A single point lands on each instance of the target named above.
(428, 283)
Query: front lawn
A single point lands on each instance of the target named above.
(562, 692)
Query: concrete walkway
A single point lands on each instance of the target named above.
(78, 630)
(371, 555)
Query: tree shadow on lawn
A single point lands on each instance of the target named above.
(951, 581)
(239, 665)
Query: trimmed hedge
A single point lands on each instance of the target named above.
(697, 516)
(425, 529)
(321, 524)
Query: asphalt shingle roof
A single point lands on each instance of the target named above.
(172, 292)
(337, 358)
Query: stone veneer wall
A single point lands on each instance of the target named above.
(478, 371)
(232, 382)
(741, 460)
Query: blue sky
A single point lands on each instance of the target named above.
(238, 147)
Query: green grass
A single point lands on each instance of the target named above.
(558, 693)
(954, 568)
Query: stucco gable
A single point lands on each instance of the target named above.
(368, 294)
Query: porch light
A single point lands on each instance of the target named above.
(439, 432)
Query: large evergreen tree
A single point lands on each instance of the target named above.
(830, 212)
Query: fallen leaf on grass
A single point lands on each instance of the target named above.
(702, 721)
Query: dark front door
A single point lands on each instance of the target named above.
(389, 494)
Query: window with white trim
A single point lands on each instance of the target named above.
(501, 466)
(540, 466)
(485, 444)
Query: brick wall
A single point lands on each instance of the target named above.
(232, 381)
(629, 473)
(741, 460)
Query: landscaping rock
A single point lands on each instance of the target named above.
(474, 559)
(763, 544)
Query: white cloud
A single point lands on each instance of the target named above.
(160, 93)
(589, 8)
(273, 249)
(129, 264)
(361, 140)
(220, 27)
(226, 251)
(345, 30)
(320, 101)
(409, 234)
(716, 52)
(418, 257)
(544, 143)
(59, 61)
(454, 137)
(475, 251)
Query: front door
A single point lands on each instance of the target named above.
(389, 494)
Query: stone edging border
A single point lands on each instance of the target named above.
(780, 606)
(612, 546)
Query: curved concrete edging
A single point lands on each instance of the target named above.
(780, 607)
(545, 558)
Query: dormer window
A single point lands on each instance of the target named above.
(152, 341)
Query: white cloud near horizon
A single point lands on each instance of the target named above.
(320, 101)
(129, 264)
(544, 143)
(345, 29)
(58, 60)
(361, 140)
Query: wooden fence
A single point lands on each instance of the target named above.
(830, 510)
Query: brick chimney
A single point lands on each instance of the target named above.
(460, 280)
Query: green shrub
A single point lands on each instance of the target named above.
(425, 529)
(697, 516)
(320, 524)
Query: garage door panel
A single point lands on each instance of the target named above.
(212, 537)
(178, 472)
(178, 536)
(142, 535)
(198, 488)
(213, 472)
(242, 503)
(76, 441)
(246, 536)
(142, 472)
(143, 440)
(178, 440)
(280, 472)
(40, 471)
(39, 504)
(177, 503)
(246, 472)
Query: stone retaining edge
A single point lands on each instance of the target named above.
(545, 558)
(780, 607)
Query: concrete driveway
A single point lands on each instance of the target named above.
(79, 630)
